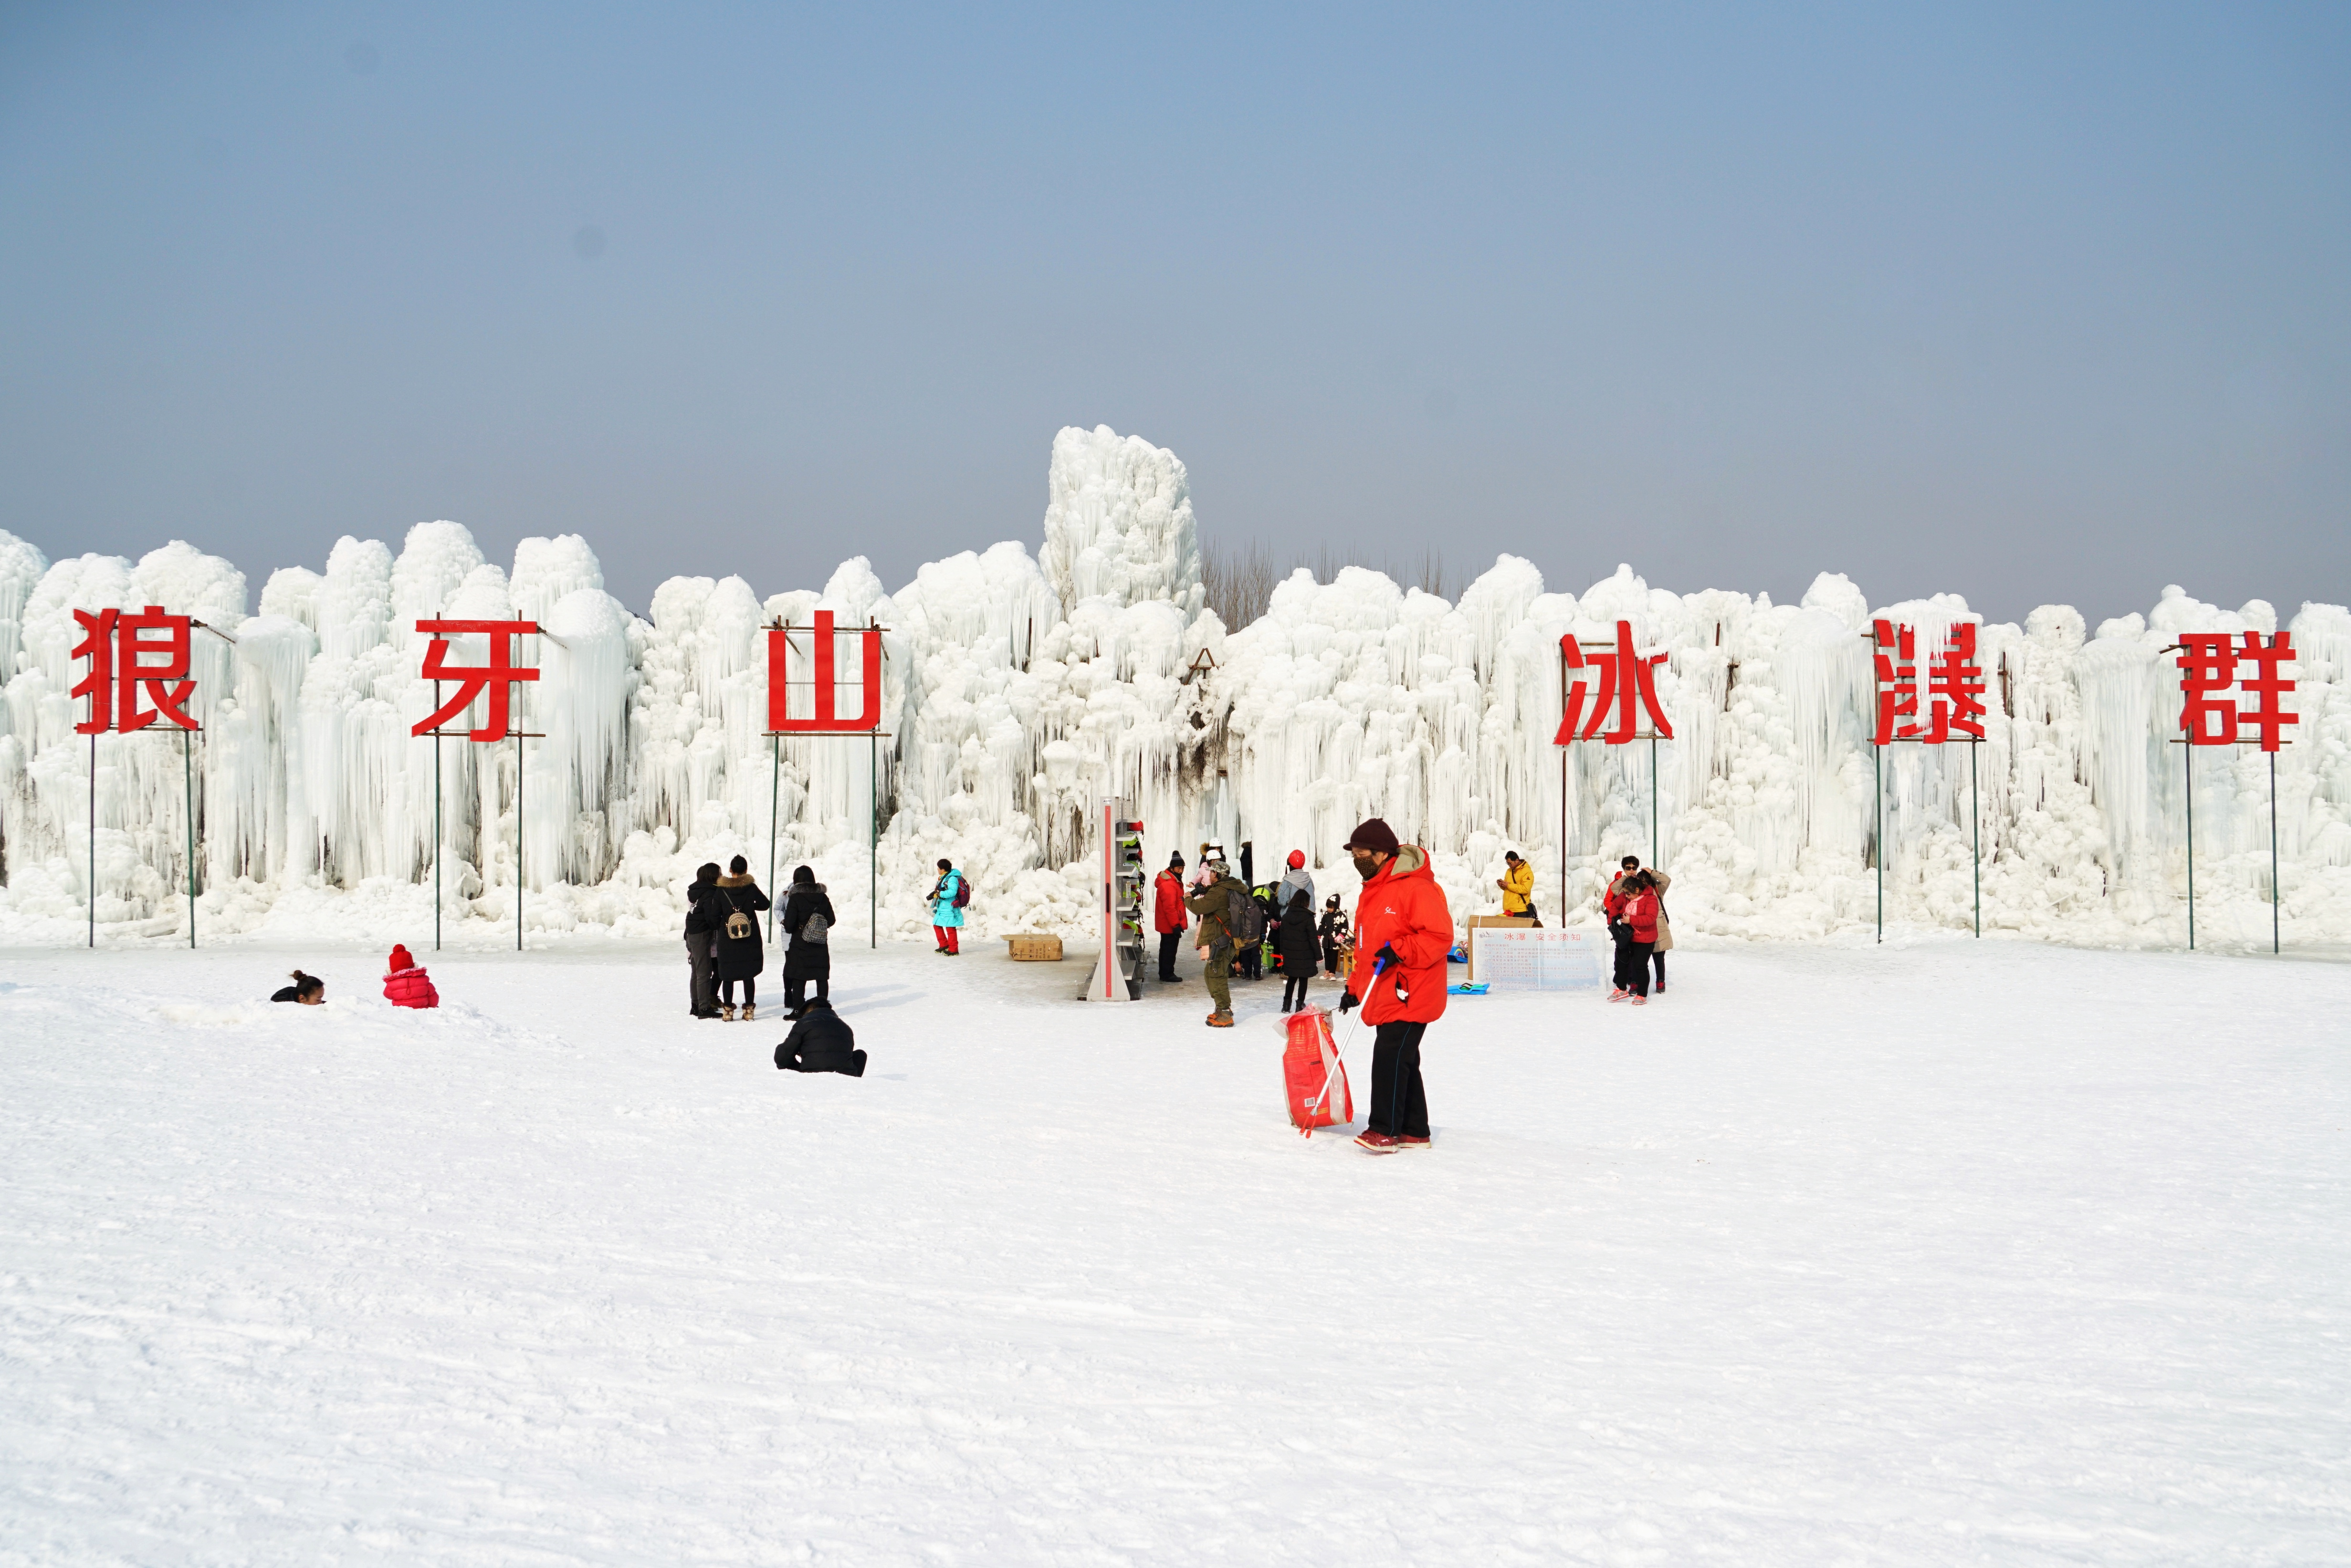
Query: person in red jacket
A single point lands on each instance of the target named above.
(1403, 932)
(1633, 913)
(1170, 915)
(405, 985)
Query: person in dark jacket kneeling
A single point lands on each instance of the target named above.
(821, 1041)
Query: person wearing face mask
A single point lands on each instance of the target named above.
(1403, 931)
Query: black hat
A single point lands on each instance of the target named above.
(1373, 835)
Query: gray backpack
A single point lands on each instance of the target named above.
(1243, 918)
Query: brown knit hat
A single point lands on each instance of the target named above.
(1373, 835)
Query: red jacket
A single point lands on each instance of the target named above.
(1639, 911)
(1168, 913)
(1404, 909)
(411, 988)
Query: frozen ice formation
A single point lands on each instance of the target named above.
(1018, 687)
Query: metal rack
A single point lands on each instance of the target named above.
(1118, 973)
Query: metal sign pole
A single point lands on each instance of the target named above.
(2276, 945)
(188, 774)
(774, 787)
(93, 841)
(1975, 815)
(517, 740)
(438, 834)
(1657, 851)
(2187, 761)
(1877, 774)
(872, 842)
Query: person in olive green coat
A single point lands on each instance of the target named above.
(1219, 905)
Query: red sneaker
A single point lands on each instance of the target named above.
(1618, 995)
(1406, 1141)
(1372, 1143)
(1640, 1001)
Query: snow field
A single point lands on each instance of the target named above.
(1954, 1252)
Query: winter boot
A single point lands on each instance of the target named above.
(1221, 1019)
(727, 1011)
(750, 1011)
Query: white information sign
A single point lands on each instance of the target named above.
(1533, 959)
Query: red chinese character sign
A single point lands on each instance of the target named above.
(1955, 686)
(1624, 679)
(129, 652)
(496, 678)
(2211, 662)
(133, 653)
(825, 717)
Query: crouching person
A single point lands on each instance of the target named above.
(821, 1041)
(404, 983)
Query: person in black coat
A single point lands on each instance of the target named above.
(821, 1041)
(739, 952)
(1294, 939)
(705, 911)
(808, 921)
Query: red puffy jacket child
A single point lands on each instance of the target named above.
(406, 986)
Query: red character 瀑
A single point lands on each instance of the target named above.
(1897, 656)
(497, 677)
(1625, 678)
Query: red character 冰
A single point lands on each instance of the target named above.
(1625, 678)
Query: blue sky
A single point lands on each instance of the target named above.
(2028, 303)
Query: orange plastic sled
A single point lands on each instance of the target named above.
(1314, 1080)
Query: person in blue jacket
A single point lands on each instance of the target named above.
(947, 899)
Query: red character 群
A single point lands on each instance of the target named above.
(2209, 662)
(1625, 678)
(497, 677)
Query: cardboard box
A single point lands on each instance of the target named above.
(1477, 920)
(1035, 948)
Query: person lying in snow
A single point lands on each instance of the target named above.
(821, 1041)
(307, 989)
(405, 985)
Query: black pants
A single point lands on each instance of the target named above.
(1293, 988)
(702, 976)
(796, 989)
(1168, 942)
(1399, 1103)
(750, 991)
(1249, 961)
(1632, 964)
(1659, 960)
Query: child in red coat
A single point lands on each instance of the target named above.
(405, 985)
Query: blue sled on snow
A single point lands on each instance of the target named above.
(1467, 988)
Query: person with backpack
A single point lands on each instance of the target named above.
(808, 922)
(1333, 932)
(949, 897)
(1404, 929)
(1248, 958)
(1295, 944)
(1229, 921)
(821, 1041)
(705, 911)
(738, 954)
(1659, 881)
(1169, 916)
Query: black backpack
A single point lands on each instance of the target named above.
(1243, 918)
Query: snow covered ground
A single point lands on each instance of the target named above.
(1952, 1252)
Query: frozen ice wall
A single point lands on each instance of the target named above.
(1020, 686)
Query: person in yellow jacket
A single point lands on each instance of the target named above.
(1518, 885)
